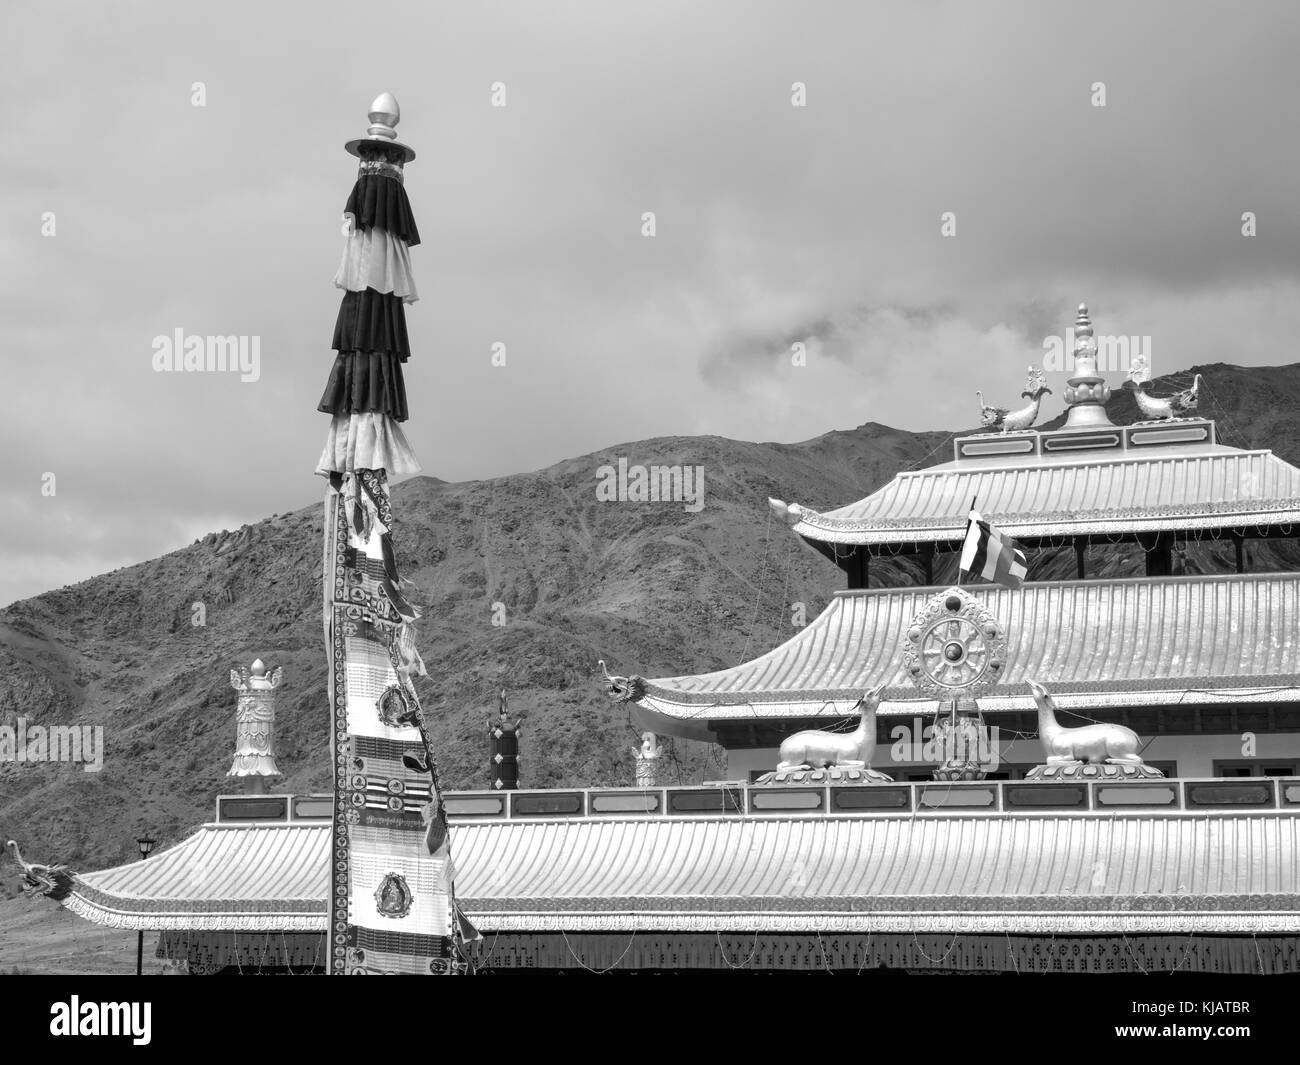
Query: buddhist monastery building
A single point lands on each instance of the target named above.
(1069, 844)
(1193, 663)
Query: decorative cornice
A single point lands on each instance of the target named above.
(245, 916)
(1141, 689)
(1023, 523)
(904, 904)
(1011, 921)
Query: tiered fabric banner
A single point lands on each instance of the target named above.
(366, 393)
(393, 907)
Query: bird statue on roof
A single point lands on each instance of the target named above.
(53, 881)
(1010, 421)
(1160, 408)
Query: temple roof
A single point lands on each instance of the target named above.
(937, 858)
(232, 876)
(1168, 482)
(973, 873)
(1139, 641)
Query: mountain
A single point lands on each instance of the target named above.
(650, 587)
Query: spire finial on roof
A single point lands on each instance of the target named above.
(384, 116)
(1086, 393)
(1082, 323)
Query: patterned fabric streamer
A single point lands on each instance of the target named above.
(393, 908)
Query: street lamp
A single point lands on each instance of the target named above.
(145, 843)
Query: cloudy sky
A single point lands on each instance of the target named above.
(774, 224)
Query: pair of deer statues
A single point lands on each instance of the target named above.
(814, 749)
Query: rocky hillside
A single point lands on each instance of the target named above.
(651, 588)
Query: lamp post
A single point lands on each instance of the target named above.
(145, 843)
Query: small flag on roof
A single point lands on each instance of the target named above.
(992, 554)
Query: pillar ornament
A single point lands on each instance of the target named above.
(647, 759)
(255, 722)
(956, 649)
(503, 749)
(1086, 393)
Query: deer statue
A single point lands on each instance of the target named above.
(814, 749)
(1090, 743)
(1014, 420)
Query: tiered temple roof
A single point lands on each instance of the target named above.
(1047, 485)
(1148, 641)
(1160, 640)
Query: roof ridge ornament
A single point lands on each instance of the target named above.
(1015, 420)
(956, 649)
(1086, 393)
(1179, 406)
(790, 513)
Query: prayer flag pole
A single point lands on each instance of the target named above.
(390, 855)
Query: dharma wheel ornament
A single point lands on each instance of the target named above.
(955, 647)
(955, 650)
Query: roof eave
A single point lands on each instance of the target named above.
(863, 533)
(760, 706)
(253, 917)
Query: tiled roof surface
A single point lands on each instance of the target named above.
(1205, 487)
(1149, 640)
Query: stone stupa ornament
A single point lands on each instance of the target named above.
(1086, 393)
(955, 650)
